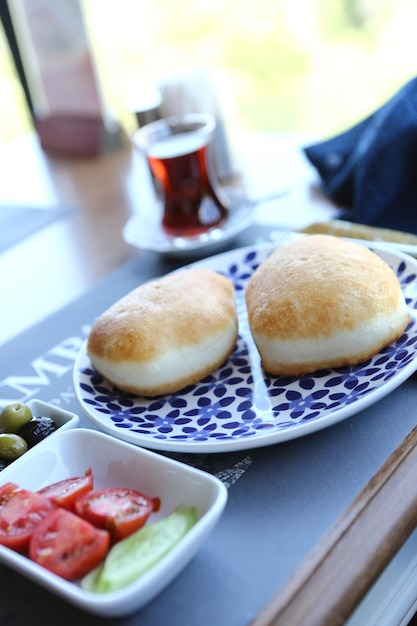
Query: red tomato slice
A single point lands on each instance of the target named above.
(65, 492)
(6, 490)
(21, 511)
(67, 545)
(120, 511)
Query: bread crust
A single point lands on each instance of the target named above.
(165, 323)
(317, 294)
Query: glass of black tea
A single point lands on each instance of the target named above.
(178, 150)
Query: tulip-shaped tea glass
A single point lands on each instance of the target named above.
(178, 151)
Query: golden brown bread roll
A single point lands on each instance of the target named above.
(166, 334)
(321, 302)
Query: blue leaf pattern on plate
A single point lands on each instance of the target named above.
(238, 406)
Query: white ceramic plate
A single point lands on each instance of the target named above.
(238, 406)
(118, 464)
(144, 231)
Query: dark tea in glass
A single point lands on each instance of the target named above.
(178, 152)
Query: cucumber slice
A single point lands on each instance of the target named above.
(130, 558)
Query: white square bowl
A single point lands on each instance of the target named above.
(63, 419)
(115, 463)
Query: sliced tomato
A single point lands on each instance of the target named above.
(6, 490)
(120, 511)
(65, 492)
(21, 511)
(67, 545)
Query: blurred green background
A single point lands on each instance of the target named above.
(309, 66)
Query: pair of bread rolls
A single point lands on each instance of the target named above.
(315, 303)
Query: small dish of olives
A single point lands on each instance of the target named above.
(24, 425)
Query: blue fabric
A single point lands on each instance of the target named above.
(370, 171)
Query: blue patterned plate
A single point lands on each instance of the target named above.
(238, 406)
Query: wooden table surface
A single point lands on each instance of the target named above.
(59, 262)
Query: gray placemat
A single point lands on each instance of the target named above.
(18, 222)
(282, 498)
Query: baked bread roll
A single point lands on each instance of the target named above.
(322, 302)
(166, 334)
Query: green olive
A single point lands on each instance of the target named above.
(13, 416)
(12, 446)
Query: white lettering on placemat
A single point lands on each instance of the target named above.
(230, 475)
(44, 369)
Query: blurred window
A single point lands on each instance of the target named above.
(310, 66)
